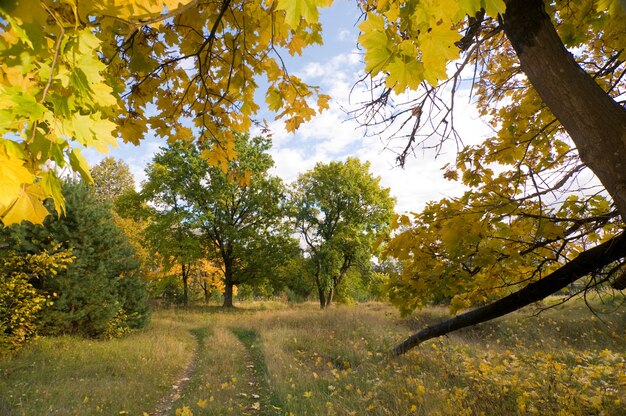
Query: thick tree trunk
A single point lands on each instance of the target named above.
(228, 295)
(320, 289)
(586, 263)
(594, 121)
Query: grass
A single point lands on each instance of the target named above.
(269, 359)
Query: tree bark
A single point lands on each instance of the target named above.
(228, 295)
(586, 263)
(185, 285)
(595, 122)
(228, 283)
(329, 297)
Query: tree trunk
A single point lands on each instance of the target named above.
(320, 288)
(207, 293)
(228, 295)
(185, 285)
(595, 122)
(322, 296)
(228, 284)
(586, 263)
(329, 297)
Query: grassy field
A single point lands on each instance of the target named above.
(270, 359)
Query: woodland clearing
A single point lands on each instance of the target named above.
(270, 358)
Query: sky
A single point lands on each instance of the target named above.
(333, 135)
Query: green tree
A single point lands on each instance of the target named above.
(101, 292)
(234, 212)
(111, 179)
(340, 209)
(171, 232)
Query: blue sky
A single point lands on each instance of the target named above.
(335, 67)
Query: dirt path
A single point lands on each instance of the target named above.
(259, 394)
(167, 403)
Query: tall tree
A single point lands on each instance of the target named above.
(112, 178)
(171, 232)
(340, 208)
(233, 211)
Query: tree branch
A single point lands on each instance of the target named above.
(586, 262)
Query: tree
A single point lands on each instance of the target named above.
(533, 219)
(171, 232)
(100, 293)
(340, 208)
(234, 212)
(112, 178)
(84, 73)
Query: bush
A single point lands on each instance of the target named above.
(20, 302)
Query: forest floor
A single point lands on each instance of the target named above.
(274, 359)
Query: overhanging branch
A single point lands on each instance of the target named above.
(584, 264)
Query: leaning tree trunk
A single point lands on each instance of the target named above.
(594, 121)
(596, 124)
(586, 262)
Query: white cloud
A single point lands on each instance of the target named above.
(346, 35)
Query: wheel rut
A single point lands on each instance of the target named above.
(166, 405)
(261, 401)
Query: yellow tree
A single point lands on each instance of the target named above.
(548, 77)
(81, 74)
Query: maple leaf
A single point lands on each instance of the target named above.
(437, 48)
(13, 175)
(27, 206)
(300, 9)
(404, 74)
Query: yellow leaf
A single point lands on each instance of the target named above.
(438, 49)
(102, 95)
(494, 7)
(80, 165)
(28, 206)
(404, 74)
(13, 175)
(299, 9)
